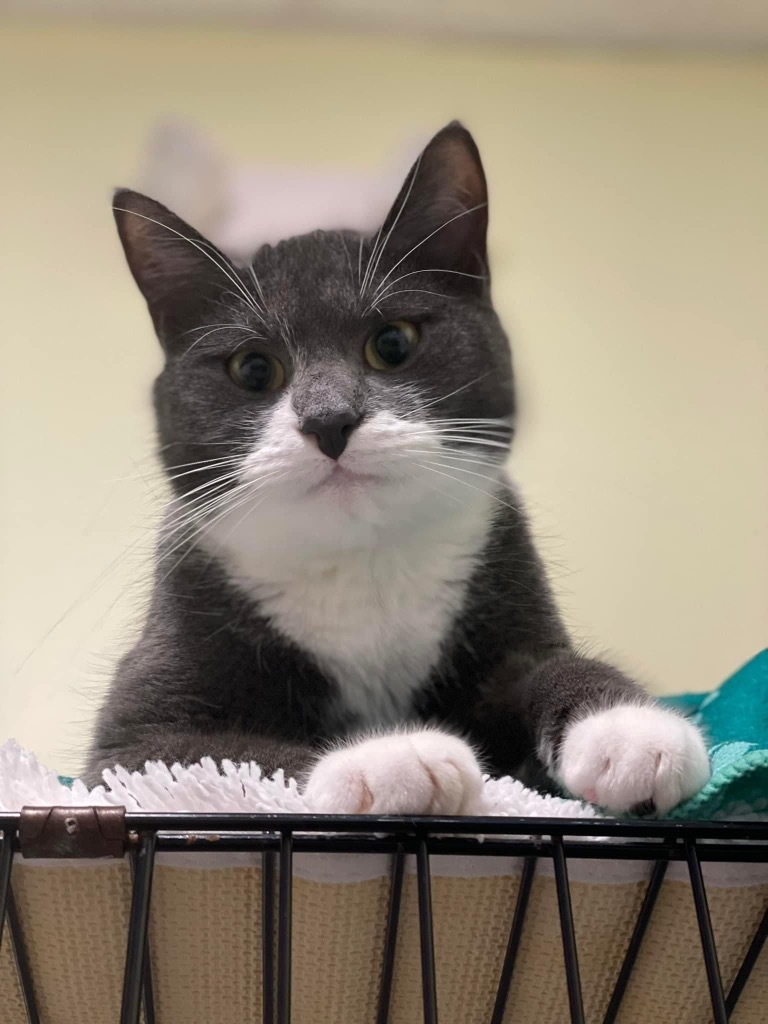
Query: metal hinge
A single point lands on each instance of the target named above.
(72, 832)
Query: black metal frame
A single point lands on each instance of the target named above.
(277, 837)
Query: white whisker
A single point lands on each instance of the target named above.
(161, 474)
(254, 309)
(408, 291)
(468, 384)
(483, 442)
(194, 442)
(464, 213)
(248, 512)
(189, 523)
(364, 283)
(212, 491)
(469, 424)
(196, 511)
(203, 469)
(250, 486)
(206, 462)
(346, 253)
(432, 270)
(202, 327)
(458, 480)
(395, 221)
(231, 277)
(448, 453)
(257, 286)
(438, 490)
(214, 330)
(483, 476)
(232, 475)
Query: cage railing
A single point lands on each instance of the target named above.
(278, 837)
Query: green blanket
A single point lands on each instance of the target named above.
(735, 721)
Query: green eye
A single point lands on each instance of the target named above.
(256, 371)
(391, 345)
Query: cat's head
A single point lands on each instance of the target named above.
(337, 384)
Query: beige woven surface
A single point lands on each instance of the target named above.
(206, 948)
(75, 927)
(206, 944)
(603, 918)
(10, 990)
(670, 969)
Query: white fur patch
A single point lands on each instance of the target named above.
(422, 771)
(630, 754)
(364, 572)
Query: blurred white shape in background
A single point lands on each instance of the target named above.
(240, 208)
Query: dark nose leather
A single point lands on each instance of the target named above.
(331, 430)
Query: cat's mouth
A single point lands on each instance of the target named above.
(342, 478)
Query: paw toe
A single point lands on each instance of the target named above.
(424, 772)
(631, 756)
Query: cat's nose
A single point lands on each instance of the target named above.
(331, 430)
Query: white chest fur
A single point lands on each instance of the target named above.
(374, 619)
(365, 577)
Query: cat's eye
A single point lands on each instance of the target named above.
(256, 371)
(391, 345)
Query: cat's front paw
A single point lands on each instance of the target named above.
(633, 756)
(420, 772)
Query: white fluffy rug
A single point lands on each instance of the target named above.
(233, 787)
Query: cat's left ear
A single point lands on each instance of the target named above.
(439, 221)
(177, 270)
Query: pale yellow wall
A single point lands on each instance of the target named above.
(630, 233)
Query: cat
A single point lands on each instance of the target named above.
(346, 586)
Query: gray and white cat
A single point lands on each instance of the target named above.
(346, 586)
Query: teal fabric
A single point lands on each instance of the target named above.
(734, 719)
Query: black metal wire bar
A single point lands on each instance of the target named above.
(420, 826)
(6, 863)
(748, 963)
(426, 935)
(643, 920)
(707, 936)
(513, 943)
(138, 925)
(390, 938)
(248, 842)
(22, 961)
(568, 934)
(148, 990)
(284, 923)
(267, 937)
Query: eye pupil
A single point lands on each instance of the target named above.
(391, 345)
(255, 371)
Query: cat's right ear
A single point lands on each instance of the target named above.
(176, 269)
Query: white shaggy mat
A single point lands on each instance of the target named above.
(232, 787)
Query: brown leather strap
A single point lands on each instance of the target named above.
(72, 832)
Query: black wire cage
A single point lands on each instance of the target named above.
(411, 846)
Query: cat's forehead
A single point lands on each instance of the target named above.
(321, 269)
